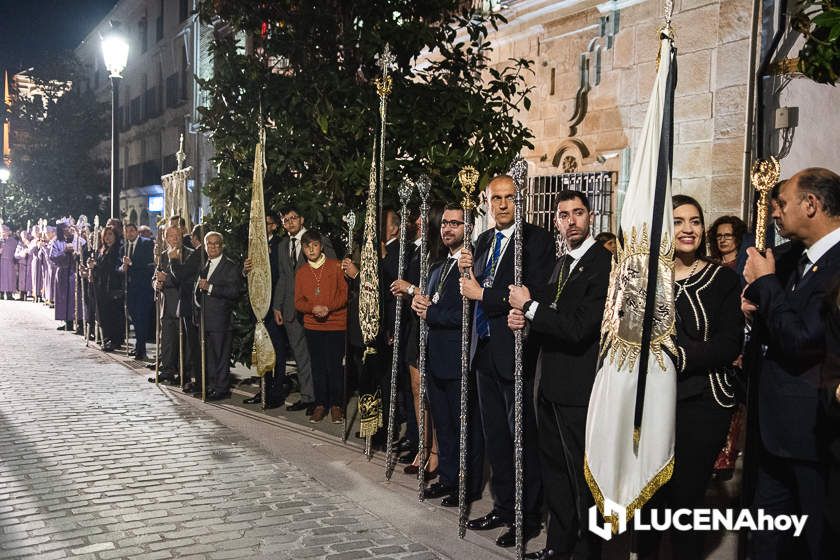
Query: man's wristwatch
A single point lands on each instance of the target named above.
(411, 290)
(526, 306)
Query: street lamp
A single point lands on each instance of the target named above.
(115, 53)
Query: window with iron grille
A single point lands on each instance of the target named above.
(597, 186)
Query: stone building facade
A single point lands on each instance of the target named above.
(610, 49)
(158, 99)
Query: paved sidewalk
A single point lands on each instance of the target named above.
(96, 463)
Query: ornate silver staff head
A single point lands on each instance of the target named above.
(350, 220)
(405, 190)
(424, 187)
(519, 172)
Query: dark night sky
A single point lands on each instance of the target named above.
(31, 28)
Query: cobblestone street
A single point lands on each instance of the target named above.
(96, 463)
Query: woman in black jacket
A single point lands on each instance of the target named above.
(710, 327)
(108, 287)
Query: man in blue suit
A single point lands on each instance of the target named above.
(138, 262)
(788, 317)
(492, 353)
(442, 309)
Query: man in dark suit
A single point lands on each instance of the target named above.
(788, 314)
(565, 319)
(168, 288)
(290, 257)
(442, 309)
(218, 288)
(492, 352)
(184, 275)
(138, 259)
(276, 383)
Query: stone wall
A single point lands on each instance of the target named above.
(713, 42)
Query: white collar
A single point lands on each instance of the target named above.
(457, 254)
(215, 260)
(417, 242)
(391, 241)
(581, 249)
(821, 247)
(299, 234)
(507, 232)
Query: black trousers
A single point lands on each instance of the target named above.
(326, 349)
(218, 360)
(273, 383)
(141, 314)
(111, 317)
(562, 431)
(445, 403)
(700, 433)
(496, 400)
(790, 486)
(371, 371)
(192, 360)
(169, 346)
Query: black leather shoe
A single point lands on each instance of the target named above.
(299, 405)
(406, 459)
(544, 554)
(492, 520)
(256, 399)
(508, 538)
(190, 387)
(162, 378)
(310, 409)
(107, 347)
(437, 490)
(452, 500)
(404, 445)
(218, 395)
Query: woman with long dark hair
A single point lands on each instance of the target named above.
(725, 237)
(108, 287)
(709, 328)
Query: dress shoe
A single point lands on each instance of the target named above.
(508, 538)
(218, 395)
(150, 365)
(437, 490)
(318, 414)
(299, 405)
(452, 500)
(492, 520)
(406, 459)
(190, 387)
(310, 409)
(162, 378)
(404, 445)
(256, 399)
(336, 415)
(107, 347)
(544, 554)
(411, 469)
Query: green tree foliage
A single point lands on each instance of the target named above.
(52, 137)
(819, 22)
(308, 72)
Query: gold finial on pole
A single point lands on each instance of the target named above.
(468, 177)
(764, 176)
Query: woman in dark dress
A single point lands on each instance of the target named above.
(710, 327)
(108, 287)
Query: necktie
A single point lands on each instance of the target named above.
(131, 249)
(293, 254)
(801, 267)
(482, 326)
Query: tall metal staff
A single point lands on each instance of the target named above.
(97, 331)
(350, 220)
(383, 88)
(202, 343)
(468, 177)
(519, 172)
(81, 224)
(125, 291)
(406, 187)
(424, 187)
(158, 295)
(764, 176)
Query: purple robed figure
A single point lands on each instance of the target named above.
(63, 258)
(23, 256)
(8, 267)
(37, 265)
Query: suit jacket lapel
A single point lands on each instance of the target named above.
(824, 262)
(482, 251)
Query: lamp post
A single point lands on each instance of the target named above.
(4, 178)
(115, 53)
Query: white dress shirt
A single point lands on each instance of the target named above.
(821, 247)
(575, 254)
(213, 264)
(297, 238)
